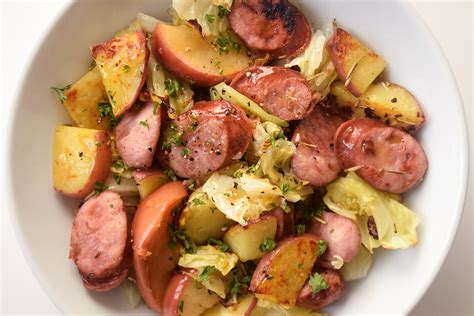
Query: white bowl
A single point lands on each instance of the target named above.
(398, 279)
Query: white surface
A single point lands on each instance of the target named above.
(451, 293)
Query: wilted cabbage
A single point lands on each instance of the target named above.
(209, 256)
(352, 197)
(358, 267)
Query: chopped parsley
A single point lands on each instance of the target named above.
(99, 187)
(173, 87)
(178, 236)
(185, 152)
(204, 275)
(222, 11)
(170, 174)
(60, 92)
(317, 283)
(222, 245)
(105, 110)
(225, 43)
(322, 246)
(192, 185)
(126, 68)
(197, 201)
(181, 306)
(118, 178)
(155, 107)
(144, 123)
(300, 229)
(285, 188)
(209, 18)
(267, 245)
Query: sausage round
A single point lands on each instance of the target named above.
(388, 158)
(273, 26)
(342, 235)
(137, 135)
(208, 137)
(285, 222)
(315, 160)
(100, 243)
(281, 91)
(336, 289)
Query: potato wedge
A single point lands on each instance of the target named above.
(122, 64)
(189, 56)
(82, 157)
(245, 306)
(245, 241)
(202, 220)
(82, 99)
(356, 65)
(154, 261)
(390, 102)
(185, 297)
(281, 274)
(149, 180)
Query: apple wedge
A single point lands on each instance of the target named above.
(154, 260)
(82, 99)
(122, 64)
(82, 157)
(189, 56)
(356, 65)
(185, 297)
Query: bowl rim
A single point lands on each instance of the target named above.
(411, 14)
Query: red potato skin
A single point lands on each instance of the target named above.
(153, 260)
(173, 293)
(136, 143)
(336, 289)
(285, 222)
(180, 69)
(101, 167)
(342, 235)
(100, 242)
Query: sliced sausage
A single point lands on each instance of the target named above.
(137, 135)
(315, 160)
(388, 159)
(342, 235)
(336, 289)
(281, 91)
(100, 242)
(208, 137)
(285, 222)
(273, 26)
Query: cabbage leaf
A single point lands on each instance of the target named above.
(209, 256)
(358, 267)
(353, 198)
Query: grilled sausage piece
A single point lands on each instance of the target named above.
(342, 234)
(137, 135)
(208, 137)
(100, 242)
(281, 91)
(388, 158)
(314, 159)
(335, 290)
(272, 26)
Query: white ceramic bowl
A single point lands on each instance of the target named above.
(398, 279)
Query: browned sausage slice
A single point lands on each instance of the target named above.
(336, 289)
(137, 135)
(208, 137)
(100, 244)
(341, 233)
(281, 91)
(314, 160)
(388, 158)
(273, 26)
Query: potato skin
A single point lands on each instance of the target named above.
(345, 52)
(153, 260)
(281, 274)
(185, 297)
(82, 157)
(336, 289)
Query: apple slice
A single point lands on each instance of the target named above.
(122, 64)
(154, 260)
(82, 157)
(189, 56)
(356, 65)
(82, 99)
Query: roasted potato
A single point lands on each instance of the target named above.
(154, 261)
(82, 99)
(201, 219)
(185, 297)
(245, 306)
(189, 56)
(245, 241)
(281, 274)
(390, 102)
(122, 64)
(149, 180)
(356, 65)
(82, 157)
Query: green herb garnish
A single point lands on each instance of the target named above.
(317, 283)
(60, 92)
(267, 245)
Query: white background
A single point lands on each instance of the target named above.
(451, 23)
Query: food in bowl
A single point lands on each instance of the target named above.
(235, 161)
